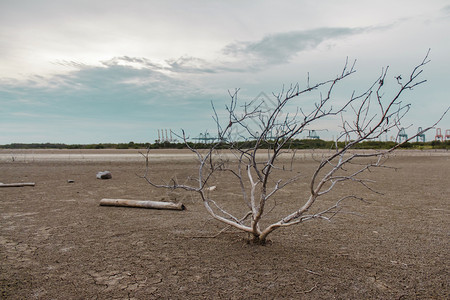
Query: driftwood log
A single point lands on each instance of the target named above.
(142, 204)
(17, 184)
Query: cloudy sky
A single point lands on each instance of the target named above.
(77, 71)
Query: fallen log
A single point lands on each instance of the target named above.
(17, 184)
(142, 204)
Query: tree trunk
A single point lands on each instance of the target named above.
(142, 204)
(257, 240)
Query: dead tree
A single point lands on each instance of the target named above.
(364, 117)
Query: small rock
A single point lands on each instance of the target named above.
(104, 175)
(70, 181)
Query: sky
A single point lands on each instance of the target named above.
(109, 71)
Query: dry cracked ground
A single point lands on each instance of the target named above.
(56, 242)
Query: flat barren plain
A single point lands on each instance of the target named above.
(56, 242)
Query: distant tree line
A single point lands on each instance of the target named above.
(294, 144)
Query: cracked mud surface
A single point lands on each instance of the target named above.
(56, 242)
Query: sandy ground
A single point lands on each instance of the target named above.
(56, 242)
(136, 155)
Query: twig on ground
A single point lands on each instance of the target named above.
(312, 272)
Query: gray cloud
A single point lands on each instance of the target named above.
(139, 61)
(189, 64)
(446, 11)
(282, 47)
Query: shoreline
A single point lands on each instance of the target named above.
(134, 155)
